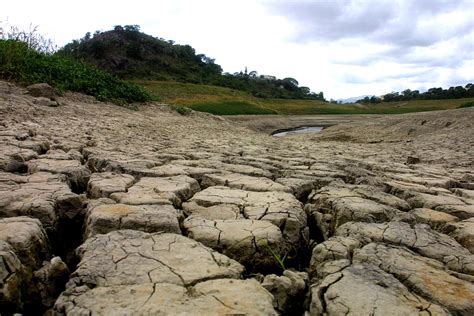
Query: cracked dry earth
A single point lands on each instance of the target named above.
(109, 211)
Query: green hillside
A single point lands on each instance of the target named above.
(130, 54)
(225, 101)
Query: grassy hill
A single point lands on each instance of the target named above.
(130, 54)
(225, 101)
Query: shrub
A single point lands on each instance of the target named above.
(181, 109)
(467, 105)
(24, 65)
(30, 36)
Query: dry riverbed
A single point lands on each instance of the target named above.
(105, 210)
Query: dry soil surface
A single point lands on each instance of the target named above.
(106, 210)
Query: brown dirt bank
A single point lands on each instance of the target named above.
(270, 123)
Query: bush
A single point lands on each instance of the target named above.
(467, 105)
(24, 65)
(30, 36)
(181, 109)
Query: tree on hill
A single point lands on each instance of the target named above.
(431, 94)
(131, 54)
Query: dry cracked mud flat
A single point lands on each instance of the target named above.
(109, 211)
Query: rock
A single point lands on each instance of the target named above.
(170, 190)
(420, 238)
(105, 218)
(364, 289)
(299, 187)
(27, 239)
(463, 232)
(214, 297)
(243, 182)
(256, 244)
(216, 212)
(376, 195)
(334, 205)
(361, 175)
(244, 169)
(103, 161)
(427, 277)
(420, 181)
(168, 170)
(460, 211)
(413, 160)
(197, 172)
(47, 197)
(288, 290)
(22, 136)
(77, 174)
(161, 272)
(42, 195)
(106, 183)
(41, 90)
(38, 145)
(174, 169)
(50, 280)
(436, 220)
(280, 208)
(132, 257)
(23, 248)
(59, 154)
(335, 248)
(41, 101)
(13, 280)
(434, 201)
(12, 158)
(469, 194)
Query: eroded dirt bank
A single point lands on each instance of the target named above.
(270, 123)
(105, 210)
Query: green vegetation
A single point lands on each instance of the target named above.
(224, 101)
(457, 92)
(24, 65)
(467, 105)
(278, 259)
(26, 57)
(131, 54)
(205, 98)
(181, 109)
(231, 108)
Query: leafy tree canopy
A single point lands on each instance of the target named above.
(131, 54)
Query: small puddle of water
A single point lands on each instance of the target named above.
(299, 130)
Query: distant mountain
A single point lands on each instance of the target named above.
(353, 99)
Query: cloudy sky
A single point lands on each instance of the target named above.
(344, 48)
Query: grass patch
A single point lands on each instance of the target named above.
(230, 108)
(225, 101)
(467, 105)
(26, 66)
